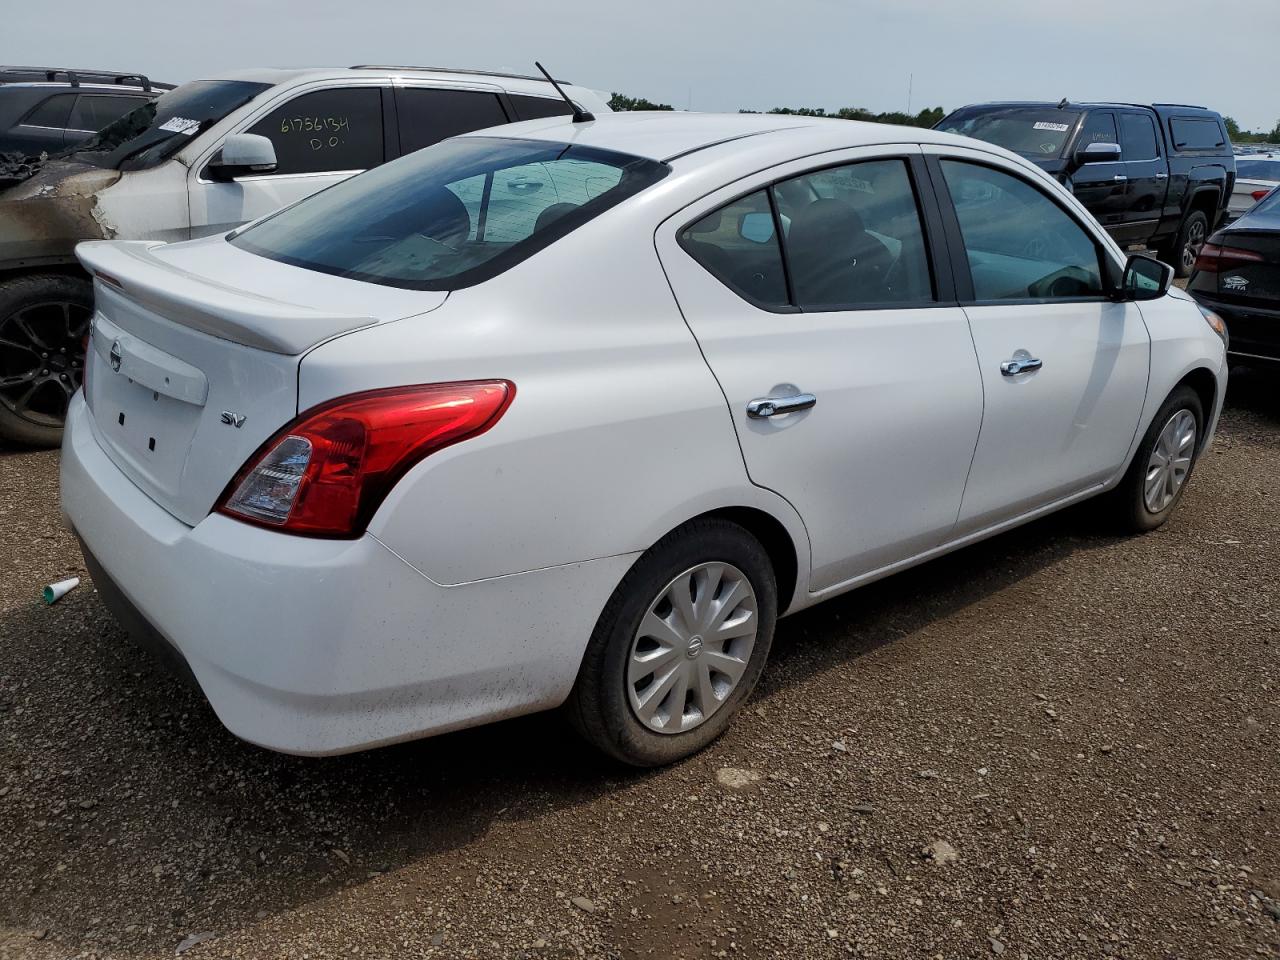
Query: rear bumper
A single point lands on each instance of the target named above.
(1254, 330)
(320, 646)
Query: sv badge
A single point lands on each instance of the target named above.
(232, 419)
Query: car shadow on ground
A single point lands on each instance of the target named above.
(1255, 390)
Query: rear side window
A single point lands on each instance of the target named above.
(534, 108)
(428, 116)
(737, 245)
(326, 131)
(93, 112)
(1137, 137)
(1196, 134)
(52, 112)
(1099, 127)
(852, 236)
(1020, 244)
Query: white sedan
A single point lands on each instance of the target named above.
(571, 413)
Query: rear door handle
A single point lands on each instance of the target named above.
(1011, 368)
(1162, 176)
(1120, 178)
(767, 407)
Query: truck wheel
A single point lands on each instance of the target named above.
(1191, 237)
(43, 322)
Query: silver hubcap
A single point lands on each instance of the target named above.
(1170, 461)
(692, 647)
(1195, 240)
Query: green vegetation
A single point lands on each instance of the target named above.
(1249, 136)
(620, 101)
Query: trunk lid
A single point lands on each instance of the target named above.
(193, 362)
(1252, 282)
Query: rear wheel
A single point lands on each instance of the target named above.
(1191, 237)
(1163, 463)
(43, 322)
(679, 647)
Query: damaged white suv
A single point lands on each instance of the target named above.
(200, 160)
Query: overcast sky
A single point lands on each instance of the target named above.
(711, 54)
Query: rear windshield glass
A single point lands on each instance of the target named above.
(1258, 169)
(1197, 134)
(158, 129)
(1037, 132)
(451, 215)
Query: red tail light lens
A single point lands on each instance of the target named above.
(325, 474)
(1259, 194)
(1215, 258)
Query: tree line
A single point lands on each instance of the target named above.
(925, 118)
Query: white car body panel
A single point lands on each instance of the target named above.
(1241, 200)
(475, 589)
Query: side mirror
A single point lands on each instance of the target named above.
(1097, 153)
(1145, 278)
(243, 154)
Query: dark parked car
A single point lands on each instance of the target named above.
(1238, 276)
(1155, 176)
(47, 110)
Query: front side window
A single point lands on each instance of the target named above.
(450, 215)
(1137, 137)
(151, 133)
(428, 116)
(853, 237)
(1099, 127)
(1019, 243)
(326, 131)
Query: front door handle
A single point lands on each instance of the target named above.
(1011, 368)
(1119, 178)
(1162, 176)
(767, 407)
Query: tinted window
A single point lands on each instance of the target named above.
(1255, 169)
(1019, 243)
(1196, 134)
(157, 129)
(1098, 128)
(52, 113)
(1137, 137)
(853, 236)
(94, 112)
(326, 130)
(533, 108)
(429, 116)
(450, 215)
(1031, 131)
(738, 246)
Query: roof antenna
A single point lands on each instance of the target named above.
(1064, 103)
(579, 115)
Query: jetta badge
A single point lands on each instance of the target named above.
(232, 419)
(1236, 283)
(117, 356)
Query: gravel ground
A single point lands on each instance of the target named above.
(1056, 744)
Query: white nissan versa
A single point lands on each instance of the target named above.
(571, 412)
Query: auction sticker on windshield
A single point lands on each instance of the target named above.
(180, 125)
(1046, 125)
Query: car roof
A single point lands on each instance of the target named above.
(667, 135)
(1185, 109)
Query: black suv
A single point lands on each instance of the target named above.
(1155, 176)
(47, 109)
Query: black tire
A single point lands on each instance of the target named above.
(43, 321)
(1129, 498)
(1191, 237)
(599, 706)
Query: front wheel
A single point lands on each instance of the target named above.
(1163, 463)
(679, 646)
(43, 322)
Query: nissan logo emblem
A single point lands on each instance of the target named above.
(117, 356)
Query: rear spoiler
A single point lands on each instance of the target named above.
(129, 267)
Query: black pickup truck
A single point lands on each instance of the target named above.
(1155, 176)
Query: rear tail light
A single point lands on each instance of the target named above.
(1215, 258)
(1259, 194)
(326, 473)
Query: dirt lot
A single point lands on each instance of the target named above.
(1082, 731)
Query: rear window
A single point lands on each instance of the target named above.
(535, 108)
(1258, 169)
(1196, 134)
(451, 215)
(1036, 132)
(52, 113)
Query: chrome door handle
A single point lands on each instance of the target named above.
(1162, 176)
(1119, 178)
(767, 407)
(1011, 368)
